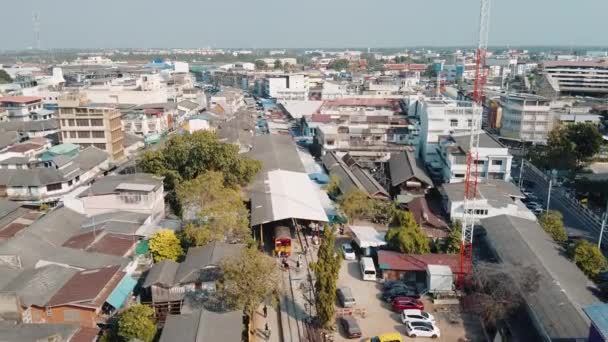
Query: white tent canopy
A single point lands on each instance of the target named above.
(366, 236)
(286, 195)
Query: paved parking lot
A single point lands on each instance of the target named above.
(381, 319)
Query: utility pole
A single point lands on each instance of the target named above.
(549, 193)
(599, 242)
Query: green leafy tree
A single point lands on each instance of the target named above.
(278, 64)
(408, 237)
(4, 77)
(453, 242)
(570, 146)
(333, 187)
(326, 271)
(137, 322)
(356, 205)
(164, 245)
(248, 279)
(260, 65)
(219, 209)
(588, 258)
(185, 156)
(553, 223)
(339, 64)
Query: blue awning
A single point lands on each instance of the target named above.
(118, 297)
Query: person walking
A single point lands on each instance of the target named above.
(267, 331)
(265, 311)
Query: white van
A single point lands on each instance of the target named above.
(368, 270)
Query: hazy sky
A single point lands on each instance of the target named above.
(301, 23)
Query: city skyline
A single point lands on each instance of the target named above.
(236, 23)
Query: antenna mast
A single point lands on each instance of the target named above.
(36, 22)
(471, 177)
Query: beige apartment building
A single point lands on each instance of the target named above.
(90, 124)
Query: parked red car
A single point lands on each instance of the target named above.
(403, 303)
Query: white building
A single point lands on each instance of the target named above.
(525, 117)
(440, 117)
(21, 108)
(286, 87)
(140, 193)
(577, 77)
(494, 198)
(493, 161)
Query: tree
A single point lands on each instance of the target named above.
(278, 64)
(218, 209)
(326, 271)
(571, 145)
(454, 240)
(260, 65)
(164, 245)
(339, 64)
(496, 291)
(586, 138)
(5, 77)
(355, 204)
(185, 156)
(137, 322)
(333, 187)
(588, 258)
(407, 238)
(552, 222)
(248, 279)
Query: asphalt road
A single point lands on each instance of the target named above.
(574, 219)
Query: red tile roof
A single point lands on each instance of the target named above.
(20, 148)
(88, 288)
(10, 230)
(389, 260)
(322, 118)
(19, 99)
(114, 244)
(82, 241)
(423, 214)
(32, 215)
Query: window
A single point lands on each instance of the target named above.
(82, 122)
(84, 134)
(100, 146)
(77, 178)
(70, 182)
(453, 123)
(480, 162)
(481, 212)
(497, 162)
(53, 187)
(73, 135)
(96, 122)
(71, 122)
(459, 175)
(470, 122)
(132, 197)
(71, 315)
(99, 134)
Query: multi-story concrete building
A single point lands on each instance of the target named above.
(89, 124)
(493, 159)
(21, 108)
(525, 117)
(575, 77)
(286, 87)
(440, 117)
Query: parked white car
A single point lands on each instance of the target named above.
(348, 252)
(422, 329)
(415, 315)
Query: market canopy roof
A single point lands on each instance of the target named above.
(284, 195)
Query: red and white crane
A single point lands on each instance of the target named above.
(471, 177)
